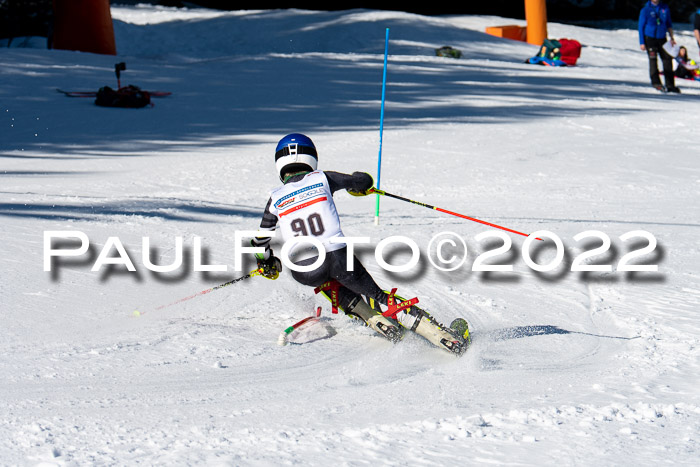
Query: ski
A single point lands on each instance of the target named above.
(94, 94)
(461, 327)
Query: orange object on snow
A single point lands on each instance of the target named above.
(84, 25)
(536, 30)
(536, 17)
(517, 33)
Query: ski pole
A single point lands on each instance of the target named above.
(429, 206)
(184, 299)
(247, 276)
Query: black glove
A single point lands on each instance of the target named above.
(366, 192)
(270, 267)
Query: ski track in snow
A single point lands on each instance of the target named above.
(565, 368)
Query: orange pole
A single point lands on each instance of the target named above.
(84, 25)
(536, 17)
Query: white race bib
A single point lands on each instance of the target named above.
(306, 208)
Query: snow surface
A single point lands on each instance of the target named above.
(566, 368)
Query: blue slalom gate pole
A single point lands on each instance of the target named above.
(381, 126)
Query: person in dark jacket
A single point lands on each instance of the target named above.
(654, 24)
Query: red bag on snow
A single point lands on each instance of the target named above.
(570, 51)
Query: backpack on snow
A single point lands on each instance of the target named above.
(551, 49)
(129, 96)
(561, 52)
(570, 51)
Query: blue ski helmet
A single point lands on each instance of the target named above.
(295, 153)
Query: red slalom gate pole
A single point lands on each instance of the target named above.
(430, 206)
(282, 339)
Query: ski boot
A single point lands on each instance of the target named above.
(418, 320)
(375, 320)
(357, 308)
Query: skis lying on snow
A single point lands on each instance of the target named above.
(94, 94)
(118, 68)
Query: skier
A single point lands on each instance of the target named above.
(303, 206)
(654, 22)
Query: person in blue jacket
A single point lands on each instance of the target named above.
(696, 27)
(654, 24)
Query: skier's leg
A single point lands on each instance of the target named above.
(315, 277)
(353, 284)
(414, 318)
(357, 307)
(358, 280)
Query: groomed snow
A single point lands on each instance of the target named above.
(566, 368)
